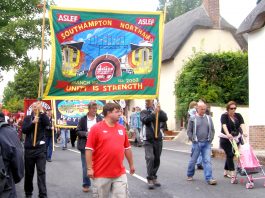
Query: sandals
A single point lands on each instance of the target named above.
(227, 174)
(234, 180)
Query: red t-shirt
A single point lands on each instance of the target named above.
(108, 145)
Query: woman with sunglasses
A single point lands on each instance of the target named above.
(232, 127)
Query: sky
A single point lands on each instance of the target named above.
(234, 11)
(143, 5)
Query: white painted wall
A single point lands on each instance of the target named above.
(256, 58)
(137, 102)
(202, 40)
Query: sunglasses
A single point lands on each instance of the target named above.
(233, 108)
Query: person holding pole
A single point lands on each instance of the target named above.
(151, 119)
(49, 136)
(35, 154)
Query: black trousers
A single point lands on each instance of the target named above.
(36, 158)
(152, 156)
(73, 136)
(228, 149)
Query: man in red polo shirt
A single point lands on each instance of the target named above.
(107, 143)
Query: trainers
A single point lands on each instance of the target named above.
(150, 184)
(85, 189)
(49, 160)
(212, 182)
(189, 179)
(234, 180)
(156, 183)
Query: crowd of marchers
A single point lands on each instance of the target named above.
(103, 172)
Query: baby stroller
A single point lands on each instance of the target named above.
(248, 165)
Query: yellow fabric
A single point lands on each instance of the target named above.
(235, 148)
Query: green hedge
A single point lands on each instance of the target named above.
(214, 77)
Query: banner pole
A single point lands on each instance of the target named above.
(41, 68)
(157, 113)
(156, 125)
(52, 127)
(165, 11)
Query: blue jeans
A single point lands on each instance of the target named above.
(205, 149)
(65, 135)
(199, 160)
(49, 147)
(86, 180)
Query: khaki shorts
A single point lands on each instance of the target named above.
(110, 187)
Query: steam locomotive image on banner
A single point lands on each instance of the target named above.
(104, 54)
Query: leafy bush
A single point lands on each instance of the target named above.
(214, 77)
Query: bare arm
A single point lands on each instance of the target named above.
(244, 130)
(129, 157)
(90, 171)
(227, 132)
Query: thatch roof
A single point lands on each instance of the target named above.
(255, 20)
(179, 29)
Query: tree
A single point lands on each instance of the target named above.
(20, 30)
(214, 77)
(25, 85)
(14, 105)
(176, 8)
(9, 92)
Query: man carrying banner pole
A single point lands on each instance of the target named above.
(151, 118)
(40, 90)
(35, 155)
(34, 127)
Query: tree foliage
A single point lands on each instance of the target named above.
(15, 104)
(19, 29)
(25, 85)
(9, 92)
(214, 77)
(176, 8)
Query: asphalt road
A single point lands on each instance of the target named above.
(64, 178)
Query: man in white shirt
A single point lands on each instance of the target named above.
(83, 128)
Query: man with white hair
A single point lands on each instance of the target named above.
(200, 131)
(35, 155)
